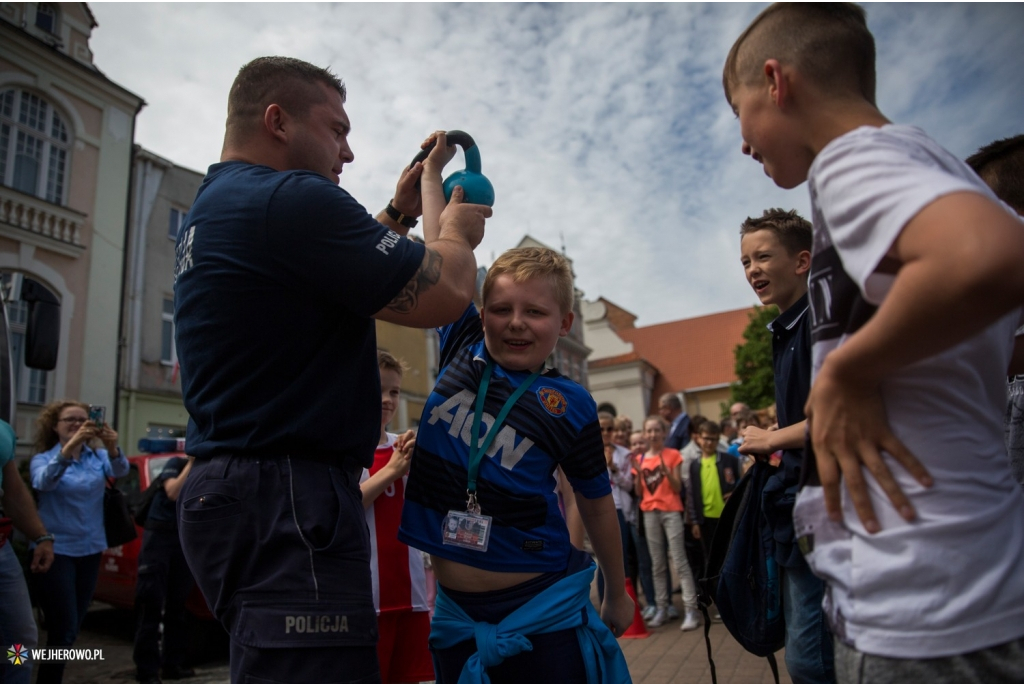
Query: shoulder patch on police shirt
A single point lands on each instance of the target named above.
(553, 401)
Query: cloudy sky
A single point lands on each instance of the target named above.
(602, 127)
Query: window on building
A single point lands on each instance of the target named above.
(34, 146)
(176, 222)
(167, 352)
(31, 386)
(46, 17)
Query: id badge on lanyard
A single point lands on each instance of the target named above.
(471, 529)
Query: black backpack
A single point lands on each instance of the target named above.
(741, 576)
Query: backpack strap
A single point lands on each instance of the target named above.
(707, 642)
(772, 663)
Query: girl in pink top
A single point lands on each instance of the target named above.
(659, 485)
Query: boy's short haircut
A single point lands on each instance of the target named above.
(711, 428)
(527, 263)
(1001, 166)
(389, 362)
(620, 424)
(696, 422)
(829, 43)
(791, 229)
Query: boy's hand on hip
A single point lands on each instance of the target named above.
(617, 613)
(849, 429)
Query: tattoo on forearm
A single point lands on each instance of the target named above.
(427, 275)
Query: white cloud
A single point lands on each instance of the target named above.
(605, 124)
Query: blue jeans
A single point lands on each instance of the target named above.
(17, 625)
(280, 549)
(809, 652)
(64, 593)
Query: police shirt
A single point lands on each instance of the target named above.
(276, 278)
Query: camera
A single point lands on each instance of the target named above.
(97, 414)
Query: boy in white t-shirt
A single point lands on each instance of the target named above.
(399, 579)
(915, 290)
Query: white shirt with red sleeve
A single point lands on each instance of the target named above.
(399, 581)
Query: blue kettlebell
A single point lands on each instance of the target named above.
(478, 190)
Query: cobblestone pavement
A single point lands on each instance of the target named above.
(113, 630)
(667, 656)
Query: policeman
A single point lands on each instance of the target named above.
(278, 279)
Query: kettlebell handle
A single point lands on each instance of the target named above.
(463, 140)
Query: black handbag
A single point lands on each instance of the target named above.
(117, 520)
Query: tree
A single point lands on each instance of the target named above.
(756, 384)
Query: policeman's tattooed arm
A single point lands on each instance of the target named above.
(426, 276)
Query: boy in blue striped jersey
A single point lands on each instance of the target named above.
(486, 510)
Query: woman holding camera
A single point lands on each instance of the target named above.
(70, 475)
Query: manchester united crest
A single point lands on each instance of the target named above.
(553, 401)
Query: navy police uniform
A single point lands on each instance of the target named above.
(277, 277)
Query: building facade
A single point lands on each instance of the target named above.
(149, 398)
(631, 367)
(66, 134)
(619, 375)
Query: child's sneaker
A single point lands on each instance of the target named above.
(692, 622)
(649, 611)
(673, 613)
(660, 619)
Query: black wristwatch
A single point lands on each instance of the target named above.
(46, 537)
(407, 221)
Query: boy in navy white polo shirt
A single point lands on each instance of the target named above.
(776, 255)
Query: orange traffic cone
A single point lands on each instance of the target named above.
(638, 629)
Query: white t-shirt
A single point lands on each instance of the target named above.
(691, 453)
(952, 581)
(622, 483)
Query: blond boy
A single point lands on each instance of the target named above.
(498, 542)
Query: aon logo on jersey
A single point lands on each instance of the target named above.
(458, 413)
